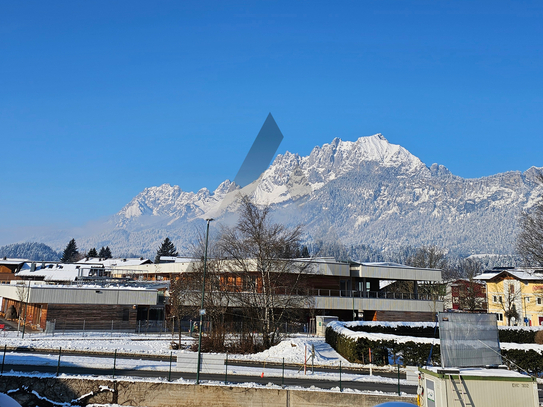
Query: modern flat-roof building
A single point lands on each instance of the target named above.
(347, 290)
(80, 296)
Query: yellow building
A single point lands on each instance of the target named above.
(515, 295)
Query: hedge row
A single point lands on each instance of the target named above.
(357, 350)
(505, 335)
(528, 360)
(401, 330)
(416, 354)
(517, 335)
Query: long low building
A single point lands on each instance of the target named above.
(347, 290)
(81, 306)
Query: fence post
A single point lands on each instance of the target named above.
(305, 359)
(312, 358)
(340, 385)
(369, 354)
(58, 364)
(399, 394)
(170, 372)
(283, 374)
(3, 359)
(114, 363)
(226, 369)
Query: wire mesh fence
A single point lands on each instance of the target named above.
(218, 368)
(161, 327)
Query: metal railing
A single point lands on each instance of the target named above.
(376, 294)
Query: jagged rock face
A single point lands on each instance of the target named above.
(363, 192)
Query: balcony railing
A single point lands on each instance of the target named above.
(314, 292)
(375, 294)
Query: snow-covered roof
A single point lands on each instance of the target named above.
(385, 264)
(10, 261)
(524, 274)
(56, 271)
(177, 259)
(476, 371)
(134, 261)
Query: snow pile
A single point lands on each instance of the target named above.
(341, 329)
(296, 350)
(352, 324)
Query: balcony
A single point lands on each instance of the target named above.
(375, 294)
(376, 301)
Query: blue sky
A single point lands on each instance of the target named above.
(101, 99)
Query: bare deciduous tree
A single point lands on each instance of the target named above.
(508, 302)
(23, 291)
(181, 301)
(434, 258)
(431, 257)
(268, 282)
(471, 293)
(530, 238)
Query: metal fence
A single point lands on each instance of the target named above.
(219, 368)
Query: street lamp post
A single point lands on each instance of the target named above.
(525, 314)
(202, 310)
(26, 305)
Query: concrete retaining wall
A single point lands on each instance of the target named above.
(164, 394)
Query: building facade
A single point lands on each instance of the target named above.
(515, 295)
(346, 290)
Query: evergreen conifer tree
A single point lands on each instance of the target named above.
(167, 248)
(105, 253)
(70, 253)
(92, 253)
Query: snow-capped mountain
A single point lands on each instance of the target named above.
(367, 191)
(289, 174)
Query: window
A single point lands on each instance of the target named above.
(527, 299)
(500, 317)
(539, 301)
(495, 299)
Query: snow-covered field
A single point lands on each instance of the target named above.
(292, 350)
(296, 349)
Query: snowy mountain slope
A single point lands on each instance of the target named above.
(323, 165)
(367, 191)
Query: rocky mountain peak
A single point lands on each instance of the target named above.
(369, 191)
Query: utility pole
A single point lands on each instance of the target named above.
(202, 310)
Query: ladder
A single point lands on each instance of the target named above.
(460, 389)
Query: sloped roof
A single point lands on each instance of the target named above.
(133, 261)
(523, 274)
(56, 271)
(11, 261)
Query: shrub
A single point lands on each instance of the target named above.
(516, 335)
(357, 350)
